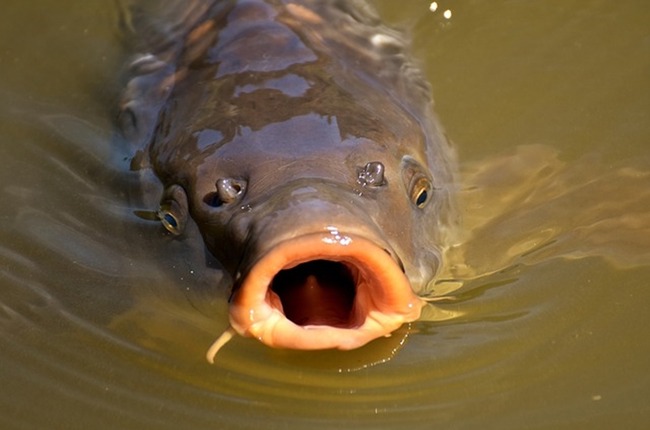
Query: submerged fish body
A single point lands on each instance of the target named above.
(300, 139)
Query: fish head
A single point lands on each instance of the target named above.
(330, 234)
(307, 154)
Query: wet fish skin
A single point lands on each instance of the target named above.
(296, 128)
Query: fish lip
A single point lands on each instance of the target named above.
(384, 299)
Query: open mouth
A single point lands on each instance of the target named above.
(318, 292)
(321, 291)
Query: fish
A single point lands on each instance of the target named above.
(300, 138)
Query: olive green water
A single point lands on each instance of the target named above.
(104, 320)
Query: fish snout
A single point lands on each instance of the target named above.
(317, 275)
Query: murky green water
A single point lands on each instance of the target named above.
(104, 320)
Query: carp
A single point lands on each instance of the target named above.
(300, 138)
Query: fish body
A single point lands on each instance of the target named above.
(299, 137)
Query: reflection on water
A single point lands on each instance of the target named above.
(530, 206)
(105, 319)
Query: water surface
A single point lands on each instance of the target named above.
(105, 319)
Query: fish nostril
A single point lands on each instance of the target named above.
(372, 174)
(212, 199)
(228, 190)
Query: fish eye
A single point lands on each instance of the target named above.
(417, 182)
(422, 198)
(169, 221)
(420, 191)
(173, 210)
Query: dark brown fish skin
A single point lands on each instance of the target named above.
(261, 118)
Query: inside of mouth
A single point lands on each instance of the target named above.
(318, 292)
